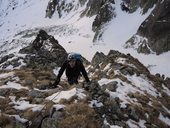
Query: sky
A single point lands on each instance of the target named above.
(75, 34)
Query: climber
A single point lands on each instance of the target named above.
(74, 68)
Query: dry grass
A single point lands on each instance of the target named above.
(4, 104)
(43, 74)
(4, 120)
(47, 108)
(79, 115)
(158, 122)
(165, 101)
(23, 74)
(124, 79)
(29, 114)
(20, 93)
(140, 97)
(32, 78)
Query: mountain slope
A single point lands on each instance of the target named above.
(74, 26)
(122, 92)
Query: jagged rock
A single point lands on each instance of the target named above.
(143, 48)
(3, 92)
(111, 110)
(51, 8)
(49, 123)
(14, 62)
(98, 58)
(156, 28)
(44, 52)
(127, 70)
(132, 5)
(114, 53)
(132, 114)
(105, 13)
(58, 115)
(103, 9)
(5, 58)
(158, 75)
(112, 86)
(167, 82)
(37, 94)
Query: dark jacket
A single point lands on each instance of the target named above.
(74, 72)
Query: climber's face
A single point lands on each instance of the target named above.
(72, 63)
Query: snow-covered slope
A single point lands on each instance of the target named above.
(20, 19)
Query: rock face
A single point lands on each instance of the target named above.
(46, 51)
(103, 9)
(154, 32)
(43, 52)
(133, 5)
(104, 14)
(51, 8)
(157, 29)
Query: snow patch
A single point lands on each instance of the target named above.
(21, 104)
(5, 75)
(13, 85)
(166, 120)
(56, 97)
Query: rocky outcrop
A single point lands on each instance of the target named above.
(132, 5)
(43, 52)
(100, 60)
(103, 9)
(104, 15)
(51, 8)
(155, 29)
(61, 6)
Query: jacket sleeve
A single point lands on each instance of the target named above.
(63, 67)
(84, 72)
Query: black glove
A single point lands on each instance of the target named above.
(57, 81)
(54, 85)
(87, 85)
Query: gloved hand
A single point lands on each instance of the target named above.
(87, 85)
(54, 85)
(57, 81)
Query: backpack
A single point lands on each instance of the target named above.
(77, 56)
